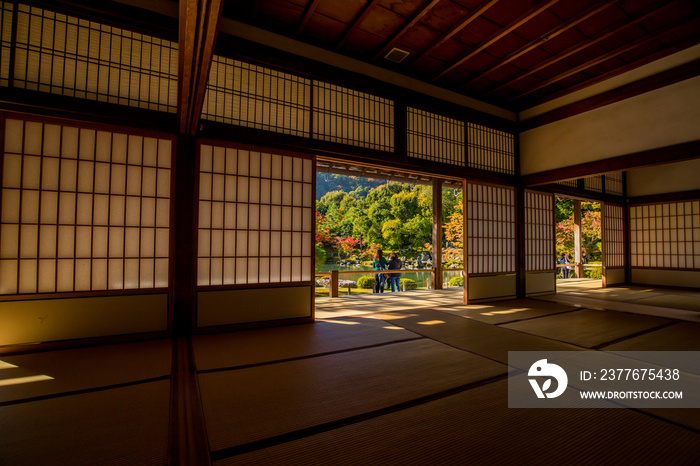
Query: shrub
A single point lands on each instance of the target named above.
(456, 281)
(408, 283)
(365, 282)
(596, 273)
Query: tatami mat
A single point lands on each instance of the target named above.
(690, 303)
(54, 372)
(681, 336)
(120, 426)
(476, 337)
(588, 328)
(251, 404)
(272, 344)
(477, 427)
(500, 312)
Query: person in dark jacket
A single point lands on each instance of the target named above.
(394, 278)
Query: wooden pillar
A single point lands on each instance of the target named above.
(437, 234)
(577, 238)
(520, 258)
(333, 285)
(465, 237)
(185, 235)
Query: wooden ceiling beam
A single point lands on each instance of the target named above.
(577, 48)
(310, 8)
(597, 60)
(471, 16)
(499, 35)
(416, 17)
(199, 25)
(356, 22)
(675, 153)
(551, 34)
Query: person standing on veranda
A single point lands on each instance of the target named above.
(394, 278)
(379, 263)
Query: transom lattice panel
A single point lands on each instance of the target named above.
(83, 210)
(539, 232)
(614, 184)
(248, 95)
(593, 183)
(614, 235)
(5, 42)
(66, 55)
(490, 149)
(256, 217)
(665, 235)
(490, 229)
(351, 117)
(435, 137)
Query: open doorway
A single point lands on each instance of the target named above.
(362, 209)
(579, 244)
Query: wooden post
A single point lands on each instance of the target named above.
(465, 250)
(437, 234)
(577, 238)
(520, 259)
(333, 285)
(184, 234)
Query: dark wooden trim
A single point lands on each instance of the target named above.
(520, 244)
(88, 112)
(510, 27)
(275, 142)
(627, 241)
(188, 443)
(84, 294)
(674, 153)
(579, 193)
(115, 14)
(666, 197)
(199, 25)
(24, 348)
(256, 286)
(437, 234)
(184, 196)
(657, 81)
(252, 325)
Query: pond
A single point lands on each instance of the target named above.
(422, 279)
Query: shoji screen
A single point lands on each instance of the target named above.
(256, 227)
(539, 242)
(248, 95)
(666, 235)
(613, 244)
(435, 137)
(351, 117)
(539, 232)
(85, 213)
(70, 56)
(490, 149)
(490, 221)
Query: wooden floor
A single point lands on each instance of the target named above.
(405, 378)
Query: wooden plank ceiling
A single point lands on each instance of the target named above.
(513, 53)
